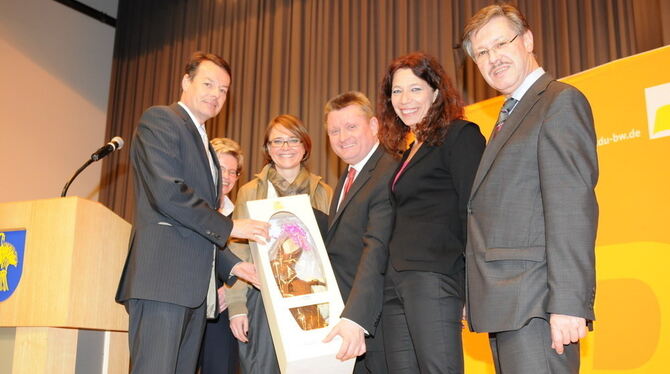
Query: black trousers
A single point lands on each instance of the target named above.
(374, 359)
(422, 321)
(372, 362)
(258, 356)
(219, 353)
(164, 338)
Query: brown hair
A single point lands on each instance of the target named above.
(198, 57)
(433, 128)
(484, 15)
(294, 126)
(223, 146)
(343, 100)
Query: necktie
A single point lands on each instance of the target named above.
(210, 301)
(205, 142)
(350, 180)
(505, 111)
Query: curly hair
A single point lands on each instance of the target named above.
(432, 129)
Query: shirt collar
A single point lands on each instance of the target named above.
(227, 206)
(525, 85)
(198, 125)
(359, 165)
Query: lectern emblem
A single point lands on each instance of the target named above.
(12, 244)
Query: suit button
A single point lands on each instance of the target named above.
(208, 232)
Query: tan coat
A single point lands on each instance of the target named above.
(320, 195)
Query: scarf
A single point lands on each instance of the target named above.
(299, 186)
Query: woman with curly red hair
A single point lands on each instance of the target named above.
(424, 289)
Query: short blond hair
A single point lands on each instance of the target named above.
(226, 146)
(343, 100)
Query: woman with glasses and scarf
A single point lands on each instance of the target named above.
(286, 147)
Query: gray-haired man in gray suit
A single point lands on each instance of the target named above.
(533, 212)
(168, 284)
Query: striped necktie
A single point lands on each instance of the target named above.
(505, 112)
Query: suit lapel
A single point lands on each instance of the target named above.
(336, 199)
(359, 182)
(519, 113)
(420, 154)
(191, 128)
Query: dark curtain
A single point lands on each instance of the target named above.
(291, 56)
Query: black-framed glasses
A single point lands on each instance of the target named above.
(498, 47)
(279, 142)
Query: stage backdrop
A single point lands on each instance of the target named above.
(631, 105)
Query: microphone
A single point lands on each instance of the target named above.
(114, 145)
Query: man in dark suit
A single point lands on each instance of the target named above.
(168, 283)
(533, 214)
(359, 222)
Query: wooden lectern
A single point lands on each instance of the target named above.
(62, 317)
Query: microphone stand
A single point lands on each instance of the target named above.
(114, 145)
(67, 185)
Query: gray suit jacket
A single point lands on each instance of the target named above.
(357, 239)
(533, 214)
(176, 224)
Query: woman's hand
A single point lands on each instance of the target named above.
(239, 325)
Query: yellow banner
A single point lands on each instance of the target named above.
(631, 106)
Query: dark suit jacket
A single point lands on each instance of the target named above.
(357, 239)
(176, 223)
(533, 213)
(430, 202)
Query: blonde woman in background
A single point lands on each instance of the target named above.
(219, 352)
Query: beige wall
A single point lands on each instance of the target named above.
(55, 66)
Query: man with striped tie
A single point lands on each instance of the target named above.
(532, 215)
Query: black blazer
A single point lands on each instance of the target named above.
(430, 202)
(176, 222)
(357, 239)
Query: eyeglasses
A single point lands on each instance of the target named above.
(498, 47)
(279, 142)
(231, 172)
